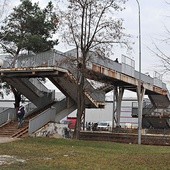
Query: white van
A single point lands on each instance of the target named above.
(104, 125)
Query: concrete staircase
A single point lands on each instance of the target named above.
(156, 123)
(159, 101)
(67, 84)
(11, 129)
(62, 109)
(32, 89)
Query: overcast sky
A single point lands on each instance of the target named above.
(154, 18)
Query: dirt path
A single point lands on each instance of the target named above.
(7, 139)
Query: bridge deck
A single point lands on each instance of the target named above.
(53, 63)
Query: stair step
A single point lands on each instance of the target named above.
(11, 129)
(20, 132)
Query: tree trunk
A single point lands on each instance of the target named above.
(80, 101)
(17, 96)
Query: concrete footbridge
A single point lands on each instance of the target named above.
(61, 69)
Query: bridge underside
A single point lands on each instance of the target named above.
(109, 77)
(122, 80)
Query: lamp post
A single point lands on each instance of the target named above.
(139, 85)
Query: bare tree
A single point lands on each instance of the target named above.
(164, 57)
(161, 48)
(91, 25)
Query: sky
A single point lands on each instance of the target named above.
(154, 18)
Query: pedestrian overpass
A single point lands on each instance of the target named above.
(61, 69)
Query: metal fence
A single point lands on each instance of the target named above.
(128, 66)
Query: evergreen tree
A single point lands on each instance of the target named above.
(28, 29)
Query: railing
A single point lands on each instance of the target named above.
(40, 120)
(145, 78)
(29, 108)
(34, 61)
(3, 109)
(97, 95)
(7, 116)
(107, 63)
(39, 85)
(148, 109)
(157, 79)
(63, 109)
(56, 58)
(42, 88)
(128, 66)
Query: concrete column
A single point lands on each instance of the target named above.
(114, 109)
(119, 96)
(140, 96)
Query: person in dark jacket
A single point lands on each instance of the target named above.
(20, 116)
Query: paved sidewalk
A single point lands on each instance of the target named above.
(7, 139)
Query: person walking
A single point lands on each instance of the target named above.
(20, 116)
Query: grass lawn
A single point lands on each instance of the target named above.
(64, 154)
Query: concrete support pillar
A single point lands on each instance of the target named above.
(114, 108)
(119, 95)
(140, 96)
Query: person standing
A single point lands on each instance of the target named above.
(20, 116)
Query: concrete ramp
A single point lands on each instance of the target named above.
(156, 123)
(32, 91)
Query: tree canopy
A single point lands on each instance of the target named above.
(29, 29)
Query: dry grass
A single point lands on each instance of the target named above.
(61, 154)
